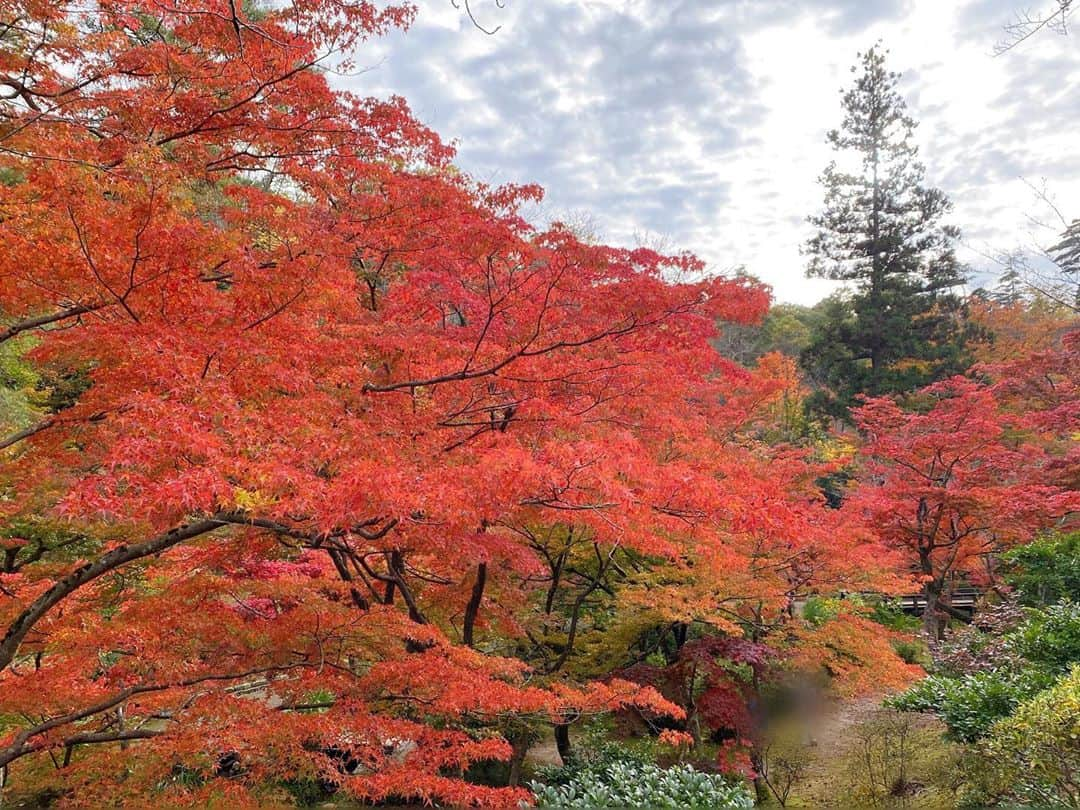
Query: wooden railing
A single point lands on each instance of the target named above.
(960, 598)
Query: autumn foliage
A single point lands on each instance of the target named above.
(962, 474)
(313, 397)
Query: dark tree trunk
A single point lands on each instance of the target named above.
(519, 748)
(562, 742)
(472, 610)
(681, 630)
(346, 576)
(933, 623)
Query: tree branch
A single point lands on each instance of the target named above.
(26, 433)
(64, 587)
(27, 324)
(21, 746)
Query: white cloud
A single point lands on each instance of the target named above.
(703, 122)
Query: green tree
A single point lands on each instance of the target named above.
(786, 329)
(1010, 288)
(1066, 257)
(881, 231)
(1046, 570)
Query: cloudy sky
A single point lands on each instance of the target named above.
(700, 124)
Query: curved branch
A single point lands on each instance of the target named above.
(111, 560)
(472, 17)
(39, 321)
(20, 745)
(26, 433)
(524, 351)
(53, 421)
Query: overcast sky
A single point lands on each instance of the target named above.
(700, 124)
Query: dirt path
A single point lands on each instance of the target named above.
(836, 774)
(544, 753)
(834, 736)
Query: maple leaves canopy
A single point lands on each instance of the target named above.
(961, 474)
(329, 380)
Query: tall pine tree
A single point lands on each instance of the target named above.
(900, 326)
(1065, 288)
(1009, 288)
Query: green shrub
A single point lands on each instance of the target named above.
(1034, 755)
(592, 753)
(820, 609)
(971, 704)
(1050, 639)
(912, 652)
(615, 777)
(1045, 571)
(889, 613)
(1031, 658)
(309, 792)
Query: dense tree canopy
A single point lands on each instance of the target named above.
(310, 399)
(954, 482)
(324, 469)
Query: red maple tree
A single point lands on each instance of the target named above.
(951, 481)
(320, 382)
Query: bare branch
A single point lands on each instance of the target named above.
(1028, 23)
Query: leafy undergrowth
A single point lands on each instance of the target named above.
(643, 784)
(614, 775)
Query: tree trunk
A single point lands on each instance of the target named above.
(562, 742)
(933, 625)
(472, 610)
(681, 630)
(761, 789)
(758, 751)
(519, 748)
